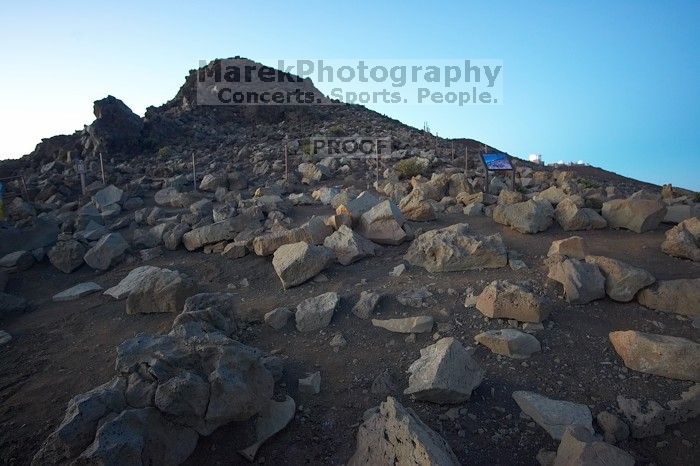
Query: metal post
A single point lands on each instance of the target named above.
(24, 188)
(376, 145)
(466, 160)
(102, 168)
(194, 172)
(286, 159)
(452, 151)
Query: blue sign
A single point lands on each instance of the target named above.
(496, 161)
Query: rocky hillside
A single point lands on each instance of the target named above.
(247, 309)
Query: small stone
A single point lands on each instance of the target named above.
(278, 318)
(420, 324)
(77, 292)
(311, 385)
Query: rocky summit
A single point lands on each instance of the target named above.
(230, 293)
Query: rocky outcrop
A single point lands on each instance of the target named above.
(116, 128)
(169, 390)
(454, 249)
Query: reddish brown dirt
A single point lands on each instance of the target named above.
(62, 349)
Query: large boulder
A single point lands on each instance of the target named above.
(122, 289)
(680, 296)
(622, 281)
(454, 249)
(526, 217)
(315, 231)
(298, 262)
(582, 281)
(416, 206)
(571, 217)
(107, 196)
(573, 246)
(638, 215)
(349, 246)
(503, 299)
(42, 234)
(164, 291)
(667, 356)
(392, 434)
(225, 230)
(107, 252)
(445, 373)
(554, 416)
(317, 312)
(383, 224)
(553, 195)
(683, 240)
(579, 447)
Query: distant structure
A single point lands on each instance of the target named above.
(535, 158)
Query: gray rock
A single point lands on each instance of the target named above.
(681, 296)
(392, 434)
(11, 304)
(453, 249)
(272, 419)
(445, 373)
(17, 261)
(311, 385)
(364, 308)
(185, 396)
(622, 281)
(614, 429)
(420, 324)
(133, 278)
(216, 232)
(662, 355)
(77, 292)
(107, 196)
(162, 291)
(503, 299)
(107, 252)
(638, 215)
(298, 262)
(509, 342)
(651, 419)
(140, 436)
(582, 281)
(579, 447)
(572, 217)
(278, 318)
(383, 224)
(5, 338)
(683, 240)
(526, 217)
(349, 246)
(554, 416)
(317, 312)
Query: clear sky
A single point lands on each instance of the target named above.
(613, 83)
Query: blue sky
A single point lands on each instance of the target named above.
(611, 83)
